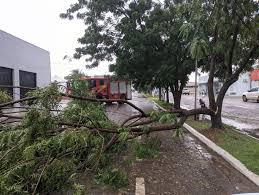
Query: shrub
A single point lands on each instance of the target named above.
(148, 149)
(112, 177)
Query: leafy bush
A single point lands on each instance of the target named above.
(4, 97)
(112, 177)
(148, 149)
(56, 176)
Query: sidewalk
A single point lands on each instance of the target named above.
(186, 166)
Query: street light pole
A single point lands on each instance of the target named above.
(195, 100)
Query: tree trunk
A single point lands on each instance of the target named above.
(160, 93)
(216, 121)
(177, 99)
(167, 95)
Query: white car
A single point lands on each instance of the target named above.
(252, 94)
(186, 91)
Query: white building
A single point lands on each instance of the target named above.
(242, 85)
(22, 64)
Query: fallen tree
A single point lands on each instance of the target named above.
(42, 151)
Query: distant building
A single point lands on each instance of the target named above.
(203, 85)
(237, 89)
(255, 75)
(191, 87)
(22, 64)
(240, 86)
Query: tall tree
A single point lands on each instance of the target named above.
(159, 46)
(143, 37)
(225, 34)
(75, 75)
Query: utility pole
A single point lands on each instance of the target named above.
(195, 93)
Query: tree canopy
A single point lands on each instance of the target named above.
(156, 42)
(143, 37)
(225, 35)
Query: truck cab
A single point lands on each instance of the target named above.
(105, 88)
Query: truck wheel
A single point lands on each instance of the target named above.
(123, 97)
(99, 96)
(244, 98)
(258, 99)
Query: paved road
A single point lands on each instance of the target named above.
(183, 166)
(242, 115)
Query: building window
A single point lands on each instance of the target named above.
(6, 79)
(27, 79)
(102, 82)
(92, 83)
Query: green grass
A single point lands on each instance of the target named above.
(244, 148)
(160, 103)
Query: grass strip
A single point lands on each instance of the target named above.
(161, 103)
(242, 147)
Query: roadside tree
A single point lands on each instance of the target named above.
(225, 35)
(143, 37)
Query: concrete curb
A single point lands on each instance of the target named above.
(224, 154)
(221, 152)
(140, 186)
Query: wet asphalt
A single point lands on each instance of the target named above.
(242, 115)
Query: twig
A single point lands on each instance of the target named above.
(34, 191)
(105, 101)
(17, 101)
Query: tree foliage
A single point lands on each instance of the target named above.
(39, 155)
(50, 146)
(75, 75)
(142, 36)
(224, 34)
(4, 97)
(155, 42)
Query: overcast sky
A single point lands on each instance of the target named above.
(38, 22)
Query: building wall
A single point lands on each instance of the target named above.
(240, 86)
(18, 54)
(203, 85)
(254, 84)
(255, 75)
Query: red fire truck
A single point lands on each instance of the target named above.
(105, 88)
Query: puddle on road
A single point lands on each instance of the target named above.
(247, 129)
(238, 125)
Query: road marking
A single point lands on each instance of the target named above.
(140, 186)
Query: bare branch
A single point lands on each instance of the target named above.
(106, 101)
(17, 101)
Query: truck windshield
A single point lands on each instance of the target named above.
(92, 83)
(102, 82)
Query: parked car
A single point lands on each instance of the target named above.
(252, 94)
(186, 91)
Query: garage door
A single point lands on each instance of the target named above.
(27, 79)
(6, 78)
